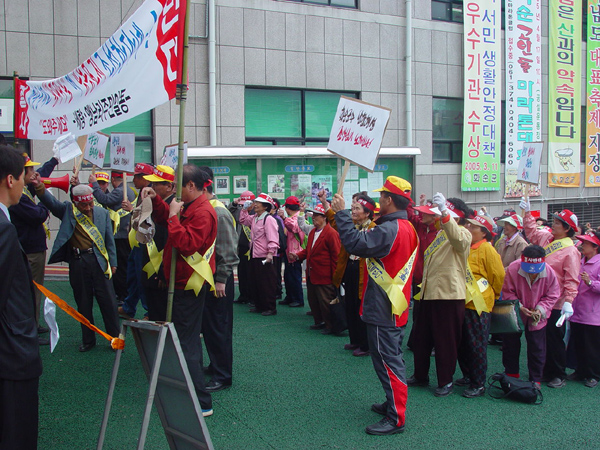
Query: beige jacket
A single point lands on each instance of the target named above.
(445, 272)
(511, 251)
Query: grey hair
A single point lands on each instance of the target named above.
(82, 189)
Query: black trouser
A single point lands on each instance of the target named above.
(357, 329)
(19, 414)
(511, 350)
(556, 351)
(217, 328)
(120, 277)
(87, 279)
(156, 299)
(187, 318)
(263, 282)
(278, 285)
(293, 282)
(243, 272)
(416, 304)
(587, 346)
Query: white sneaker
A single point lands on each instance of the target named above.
(207, 412)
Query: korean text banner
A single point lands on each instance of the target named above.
(523, 87)
(483, 72)
(564, 93)
(135, 70)
(592, 155)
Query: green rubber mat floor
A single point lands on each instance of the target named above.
(294, 388)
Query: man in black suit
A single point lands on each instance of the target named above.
(20, 363)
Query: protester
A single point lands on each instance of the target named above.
(30, 218)
(243, 247)
(102, 178)
(112, 200)
(585, 321)
(192, 234)
(512, 243)
(295, 244)
(534, 284)
(85, 241)
(486, 278)
(391, 248)
(217, 319)
(443, 295)
(349, 271)
(321, 254)
(281, 252)
(564, 258)
(154, 281)
(20, 363)
(263, 247)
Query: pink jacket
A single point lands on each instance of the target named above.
(543, 292)
(565, 262)
(264, 233)
(586, 307)
(293, 230)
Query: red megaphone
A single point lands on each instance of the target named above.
(61, 183)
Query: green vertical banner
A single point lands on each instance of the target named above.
(564, 93)
(592, 155)
(483, 88)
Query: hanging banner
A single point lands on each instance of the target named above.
(483, 69)
(564, 94)
(592, 154)
(135, 70)
(523, 88)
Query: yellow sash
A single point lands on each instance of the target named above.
(202, 271)
(497, 244)
(94, 234)
(248, 234)
(474, 290)
(392, 287)
(435, 245)
(217, 204)
(557, 245)
(156, 258)
(30, 197)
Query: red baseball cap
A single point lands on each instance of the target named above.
(115, 174)
(265, 198)
(247, 195)
(483, 221)
(428, 209)
(592, 238)
(143, 169)
(292, 200)
(568, 217)
(318, 209)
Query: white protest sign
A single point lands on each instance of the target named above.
(122, 151)
(95, 148)
(529, 164)
(357, 132)
(171, 155)
(66, 148)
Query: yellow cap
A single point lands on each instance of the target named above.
(29, 162)
(102, 176)
(396, 185)
(162, 173)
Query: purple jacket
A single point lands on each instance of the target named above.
(542, 294)
(586, 307)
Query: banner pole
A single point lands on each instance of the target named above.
(343, 178)
(181, 97)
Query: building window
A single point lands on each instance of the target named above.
(290, 116)
(452, 11)
(341, 3)
(7, 117)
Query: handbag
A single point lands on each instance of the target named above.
(337, 309)
(515, 389)
(504, 318)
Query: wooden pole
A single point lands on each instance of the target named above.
(182, 97)
(343, 177)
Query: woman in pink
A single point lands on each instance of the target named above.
(585, 322)
(564, 258)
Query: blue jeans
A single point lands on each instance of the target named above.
(134, 282)
(293, 281)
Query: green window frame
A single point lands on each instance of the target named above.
(452, 11)
(280, 116)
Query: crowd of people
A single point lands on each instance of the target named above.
(365, 262)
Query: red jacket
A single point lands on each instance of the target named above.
(426, 234)
(195, 231)
(322, 258)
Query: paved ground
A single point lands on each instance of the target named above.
(296, 389)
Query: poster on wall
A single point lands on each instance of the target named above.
(7, 118)
(357, 132)
(564, 94)
(240, 184)
(321, 182)
(122, 152)
(523, 88)
(301, 186)
(222, 185)
(592, 155)
(482, 108)
(276, 186)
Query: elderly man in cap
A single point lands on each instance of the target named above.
(135, 272)
(20, 363)
(113, 200)
(391, 248)
(102, 178)
(564, 258)
(153, 279)
(243, 247)
(29, 218)
(85, 241)
(295, 243)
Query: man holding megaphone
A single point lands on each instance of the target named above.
(29, 219)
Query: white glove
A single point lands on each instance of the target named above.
(567, 310)
(440, 201)
(525, 205)
(56, 152)
(247, 204)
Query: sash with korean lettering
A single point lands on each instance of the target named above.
(474, 291)
(30, 197)
(435, 245)
(557, 245)
(156, 257)
(202, 271)
(393, 287)
(94, 233)
(217, 204)
(248, 234)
